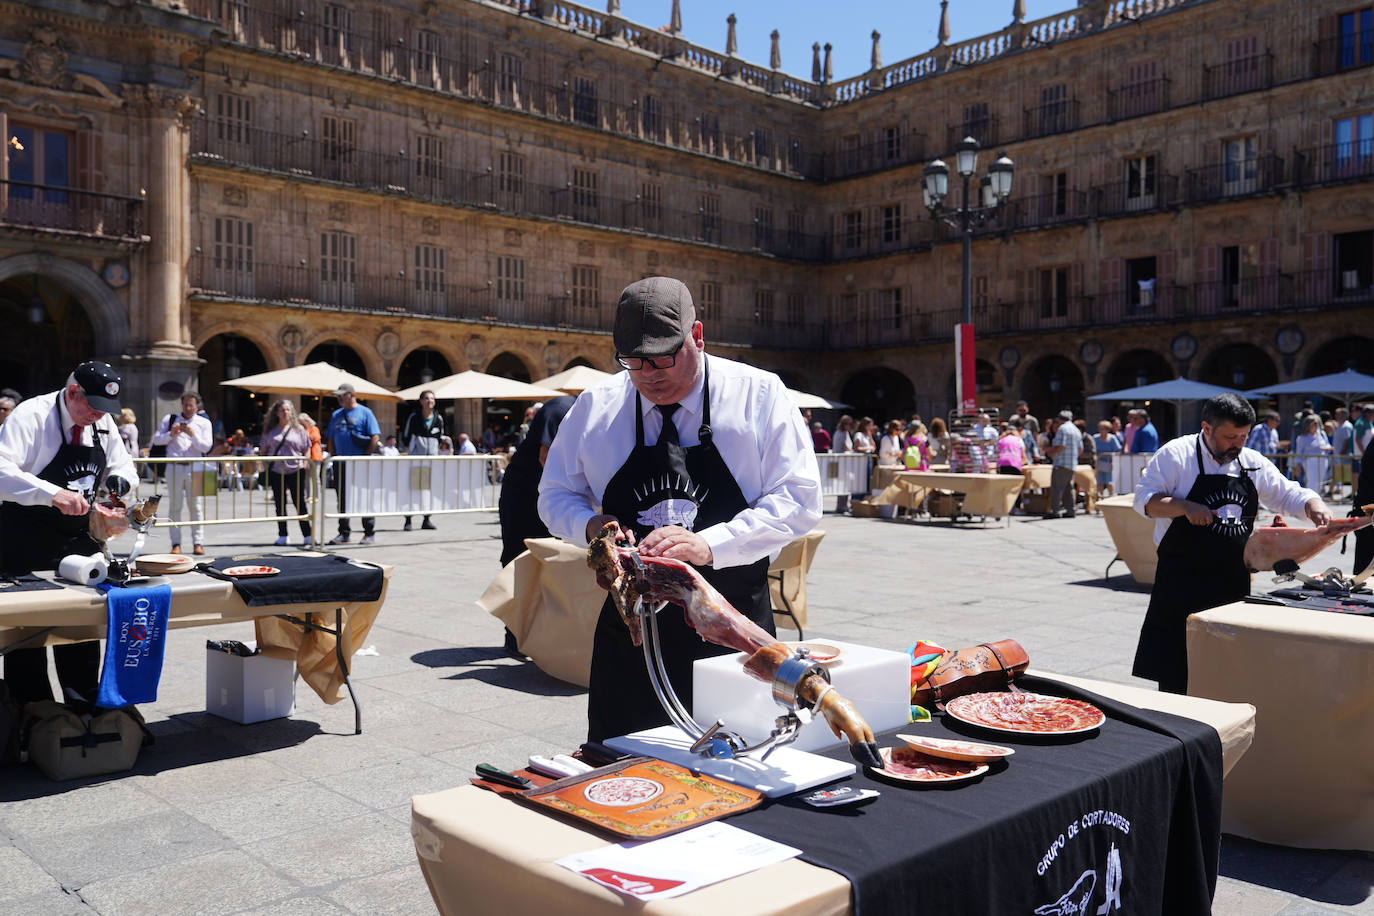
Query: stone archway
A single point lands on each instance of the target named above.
(1239, 365)
(108, 316)
(881, 393)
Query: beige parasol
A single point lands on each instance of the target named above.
(479, 385)
(575, 380)
(312, 378)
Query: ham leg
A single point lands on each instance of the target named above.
(718, 622)
(1270, 544)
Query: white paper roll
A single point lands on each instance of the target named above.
(83, 570)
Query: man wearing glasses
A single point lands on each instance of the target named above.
(693, 457)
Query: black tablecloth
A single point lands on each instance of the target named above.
(303, 580)
(1040, 833)
(1313, 600)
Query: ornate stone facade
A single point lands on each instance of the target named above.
(420, 188)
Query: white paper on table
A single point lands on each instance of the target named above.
(653, 869)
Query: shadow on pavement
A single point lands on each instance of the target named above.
(1338, 877)
(1115, 584)
(526, 677)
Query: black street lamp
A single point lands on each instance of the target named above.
(994, 188)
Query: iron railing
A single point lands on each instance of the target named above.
(1050, 209)
(1352, 161)
(1240, 178)
(1233, 77)
(1343, 52)
(87, 213)
(1050, 118)
(1135, 99)
(1123, 198)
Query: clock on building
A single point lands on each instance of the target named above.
(116, 274)
(1090, 352)
(1289, 340)
(1184, 346)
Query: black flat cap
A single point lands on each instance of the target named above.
(649, 317)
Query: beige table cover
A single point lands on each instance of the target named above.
(78, 613)
(1133, 534)
(481, 853)
(988, 495)
(1038, 477)
(550, 600)
(1309, 778)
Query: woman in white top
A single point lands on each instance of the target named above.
(1310, 449)
(843, 440)
(287, 444)
(891, 447)
(128, 431)
(863, 437)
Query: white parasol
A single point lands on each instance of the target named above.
(472, 384)
(312, 378)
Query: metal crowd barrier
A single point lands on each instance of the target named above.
(1337, 472)
(235, 489)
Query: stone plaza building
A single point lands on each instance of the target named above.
(201, 189)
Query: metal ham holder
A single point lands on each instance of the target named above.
(714, 741)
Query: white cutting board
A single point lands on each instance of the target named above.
(787, 770)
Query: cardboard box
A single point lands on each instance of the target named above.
(942, 504)
(862, 508)
(252, 689)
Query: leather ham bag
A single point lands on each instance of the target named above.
(991, 666)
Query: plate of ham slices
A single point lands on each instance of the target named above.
(907, 764)
(1025, 712)
(251, 572)
(969, 751)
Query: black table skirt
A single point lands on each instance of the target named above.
(1134, 806)
(302, 580)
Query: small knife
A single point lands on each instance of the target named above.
(491, 773)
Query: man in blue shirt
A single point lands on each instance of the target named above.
(1264, 437)
(352, 430)
(1064, 448)
(1146, 438)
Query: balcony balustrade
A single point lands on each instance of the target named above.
(88, 214)
(1237, 178)
(1353, 161)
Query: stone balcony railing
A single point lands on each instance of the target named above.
(86, 214)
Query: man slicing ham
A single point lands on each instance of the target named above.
(1204, 492)
(695, 458)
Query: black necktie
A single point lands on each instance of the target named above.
(669, 442)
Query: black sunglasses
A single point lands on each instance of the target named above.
(636, 363)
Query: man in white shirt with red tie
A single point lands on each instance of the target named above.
(188, 435)
(694, 457)
(56, 451)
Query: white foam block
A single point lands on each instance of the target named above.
(876, 681)
(787, 770)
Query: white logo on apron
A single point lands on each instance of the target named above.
(671, 511)
(677, 506)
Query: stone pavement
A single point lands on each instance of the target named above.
(300, 816)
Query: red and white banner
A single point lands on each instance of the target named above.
(965, 374)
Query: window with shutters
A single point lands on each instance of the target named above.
(233, 118)
(1053, 286)
(1052, 117)
(1053, 201)
(763, 148)
(795, 230)
(510, 279)
(890, 309)
(338, 144)
(763, 228)
(1354, 262)
(853, 229)
(710, 300)
(651, 205)
(429, 157)
(338, 267)
(893, 148)
(426, 56)
(1353, 153)
(892, 224)
(980, 291)
(586, 287)
(584, 101)
(39, 156)
(710, 133)
(236, 16)
(849, 308)
(977, 123)
(232, 256)
(337, 33)
(1241, 69)
(1239, 270)
(795, 157)
(1240, 165)
(851, 154)
(708, 206)
(651, 118)
(1141, 275)
(1355, 37)
(586, 195)
(510, 175)
(796, 310)
(1142, 177)
(510, 73)
(428, 279)
(763, 308)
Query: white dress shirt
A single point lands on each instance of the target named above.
(194, 444)
(29, 440)
(754, 425)
(1174, 469)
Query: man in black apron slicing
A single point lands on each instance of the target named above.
(1204, 492)
(56, 449)
(696, 458)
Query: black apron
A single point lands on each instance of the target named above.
(38, 537)
(1200, 567)
(644, 494)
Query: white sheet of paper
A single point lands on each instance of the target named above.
(674, 865)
